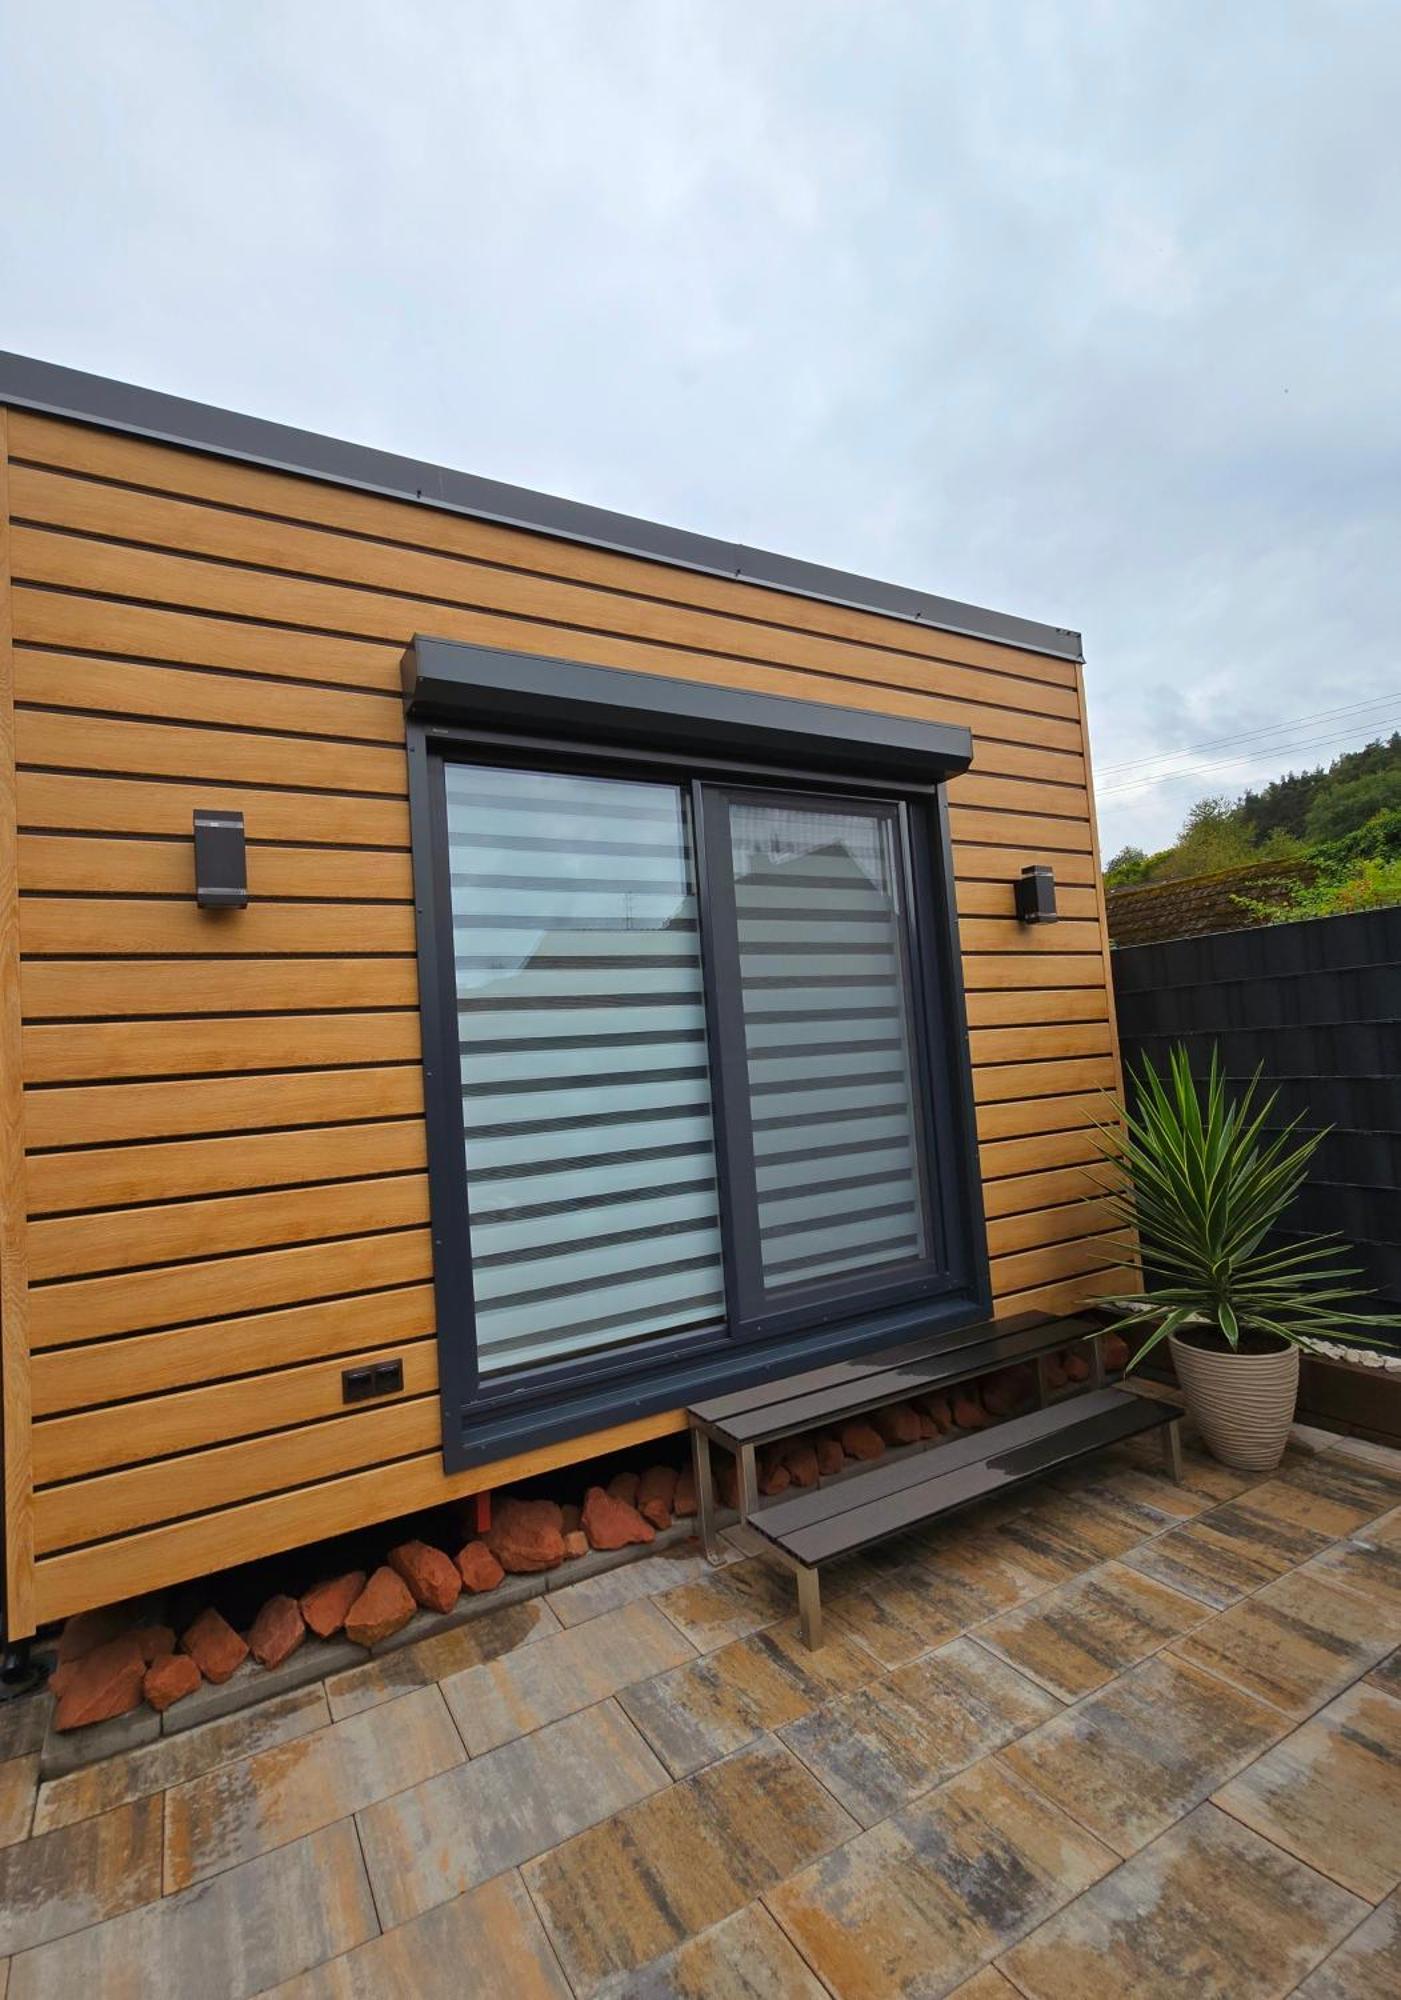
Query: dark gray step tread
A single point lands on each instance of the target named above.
(849, 1514)
(846, 1388)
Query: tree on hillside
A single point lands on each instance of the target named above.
(1341, 809)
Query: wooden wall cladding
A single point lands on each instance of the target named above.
(223, 1153)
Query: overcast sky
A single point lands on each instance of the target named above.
(1087, 311)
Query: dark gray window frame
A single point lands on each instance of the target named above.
(483, 705)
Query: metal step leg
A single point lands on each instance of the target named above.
(1172, 1449)
(705, 1494)
(810, 1607)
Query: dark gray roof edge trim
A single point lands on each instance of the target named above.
(29, 384)
(453, 681)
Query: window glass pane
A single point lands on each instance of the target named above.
(825, 999)
(585, 1086)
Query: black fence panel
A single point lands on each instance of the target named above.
(1316, 1007)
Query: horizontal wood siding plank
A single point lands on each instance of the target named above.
(54, 801)
(110, 1114)
(211, 1046)
(91, 1308)
(1000, 1008)
(127, 1238)
(87, 989)
(111, 1176)
(133, 927)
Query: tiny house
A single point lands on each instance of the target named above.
(480, 973)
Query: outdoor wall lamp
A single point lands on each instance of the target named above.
(1036, 895)
(221, 861)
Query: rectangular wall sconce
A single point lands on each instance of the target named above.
(221, 861)
(1036, 896)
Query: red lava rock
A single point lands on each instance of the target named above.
(1053, 1369)
(968, 1412)
(169, 1679)
(155, 1641)
(1076, 1365)
(431, 1576)
(101, 1683)
(478, 1568)
(324, 1606)
(937, 1408)
(610, 1523)
(861, 1440)
(801, 1461)
(384, 1606)
(570, 1517)
(898, 1424)
(526, 1535)
(85, 1631)
(656, 1493)
(623, 1486)
(1116, 1353)
(999, 1394)
(576, 1543)
(771, 1473)
(214, 1646)
(830, 1456)
(683, 1504)
(927, 1426)
(277, 1631)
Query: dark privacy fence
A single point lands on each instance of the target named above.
(1316, 1006)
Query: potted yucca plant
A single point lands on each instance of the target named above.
(1202, 1183)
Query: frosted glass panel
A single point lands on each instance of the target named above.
(825, 1000)
(585, 1083)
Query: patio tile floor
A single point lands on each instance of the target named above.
(1120, 1737)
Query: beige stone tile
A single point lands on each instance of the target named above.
(745, 1957)
(486, 1943)
(19, 1783)
(570, 1670)
(1208, 1910)
(1331, 1793)
(1335, 1496)
(489, 1637)
(1201, 1473)
(235, 1936)
(1366, 1565)
(729, 1603)
(919, 1903)
(1080, 1635)
(644, 1576)
(988, 1984)
(878, 1749)
(79, 1875)
(1227, 1553)
(175, 1759)
(1130, 1760)
(445, 1836)
(1365, 1966)
(919, 1593)
(1386, 1531)
(1295, 1643)
(720, 1702)
(1365, 1451)
(1115, 1483)
(1388, 1673)
(623, 1894)
(232, 1814)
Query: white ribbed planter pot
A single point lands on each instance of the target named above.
(1243, 1403)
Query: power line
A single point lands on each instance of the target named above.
(1248, 735)
(1148, 781)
